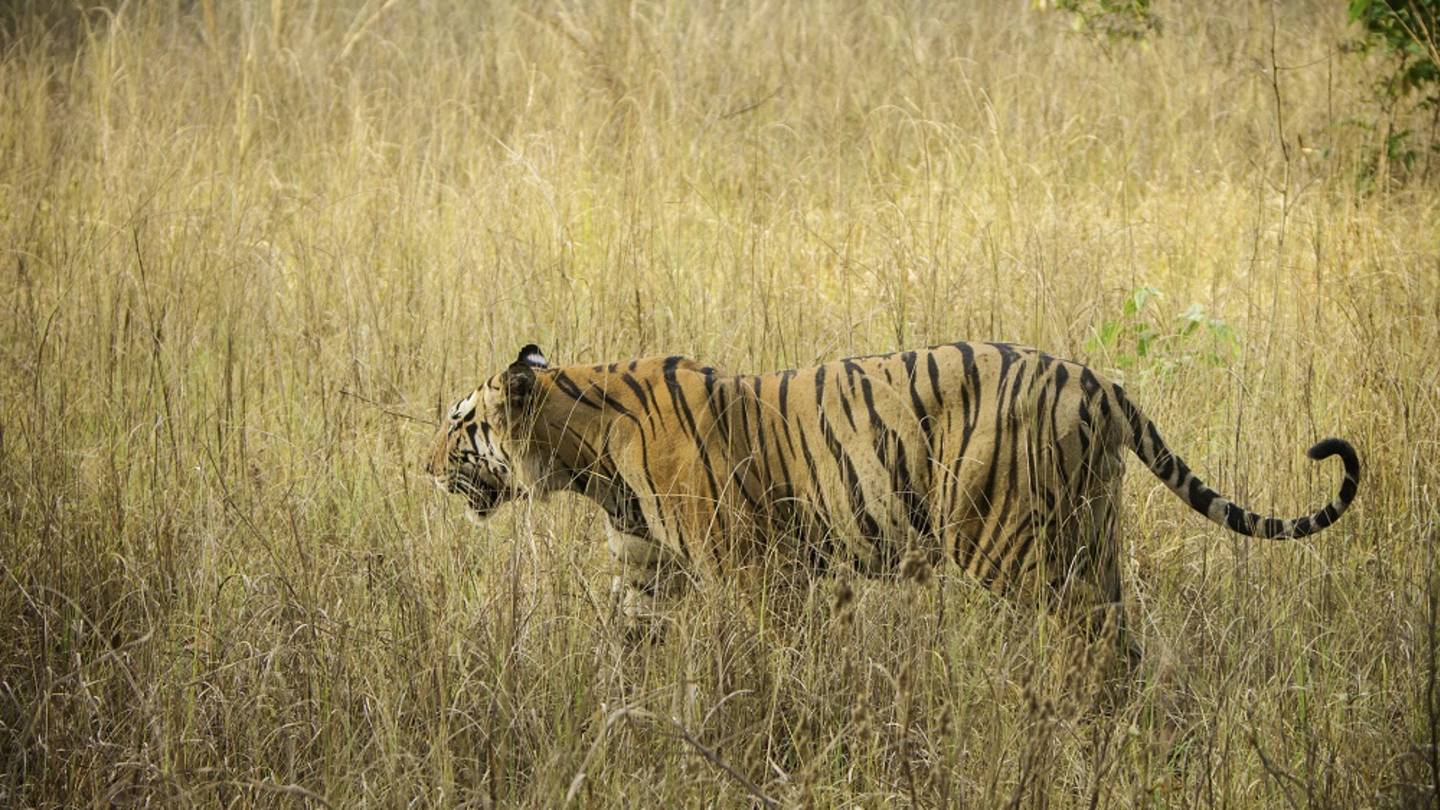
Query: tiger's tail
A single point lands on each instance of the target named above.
(1146, 443)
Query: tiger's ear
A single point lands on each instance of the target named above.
(519, 384)
(531, 356)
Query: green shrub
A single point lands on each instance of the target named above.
(1138, 339)
(1408, 85)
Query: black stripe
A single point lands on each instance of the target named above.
(869, 529)
(635, 388)
(687, 421)
(1201, 496)
(719, 410)
(917, 511)
(568, 387)
(916, 404)
(656, 411)
(1163, 464)
(988, 489)
(866, 523)
(1235, 519)
(845, 407)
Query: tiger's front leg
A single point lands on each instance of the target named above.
(647, 577)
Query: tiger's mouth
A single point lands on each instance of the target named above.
(481, 497)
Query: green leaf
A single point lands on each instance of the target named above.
(1138, 299)
(1109, 331)
(1144, 338)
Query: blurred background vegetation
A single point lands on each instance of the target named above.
(248, 250)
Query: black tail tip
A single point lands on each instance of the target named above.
(1325, 448)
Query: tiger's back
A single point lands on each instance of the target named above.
(948, 450)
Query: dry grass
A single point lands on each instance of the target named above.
(221, 224)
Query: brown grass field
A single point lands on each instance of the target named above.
(248, 251)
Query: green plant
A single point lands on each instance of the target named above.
(1407, 33)
(1137, 339)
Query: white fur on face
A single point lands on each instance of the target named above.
(464, 406)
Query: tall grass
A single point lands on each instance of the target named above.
(248, 249)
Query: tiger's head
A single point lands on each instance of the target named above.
(480, 451)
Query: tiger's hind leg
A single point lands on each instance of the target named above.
(1087, 593)
(1073, 568)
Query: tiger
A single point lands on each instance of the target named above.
(994, 457)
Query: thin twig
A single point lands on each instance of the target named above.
(714, 759)
(753, 105)
(388, 412)
(635, 713)
(1280, 775)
